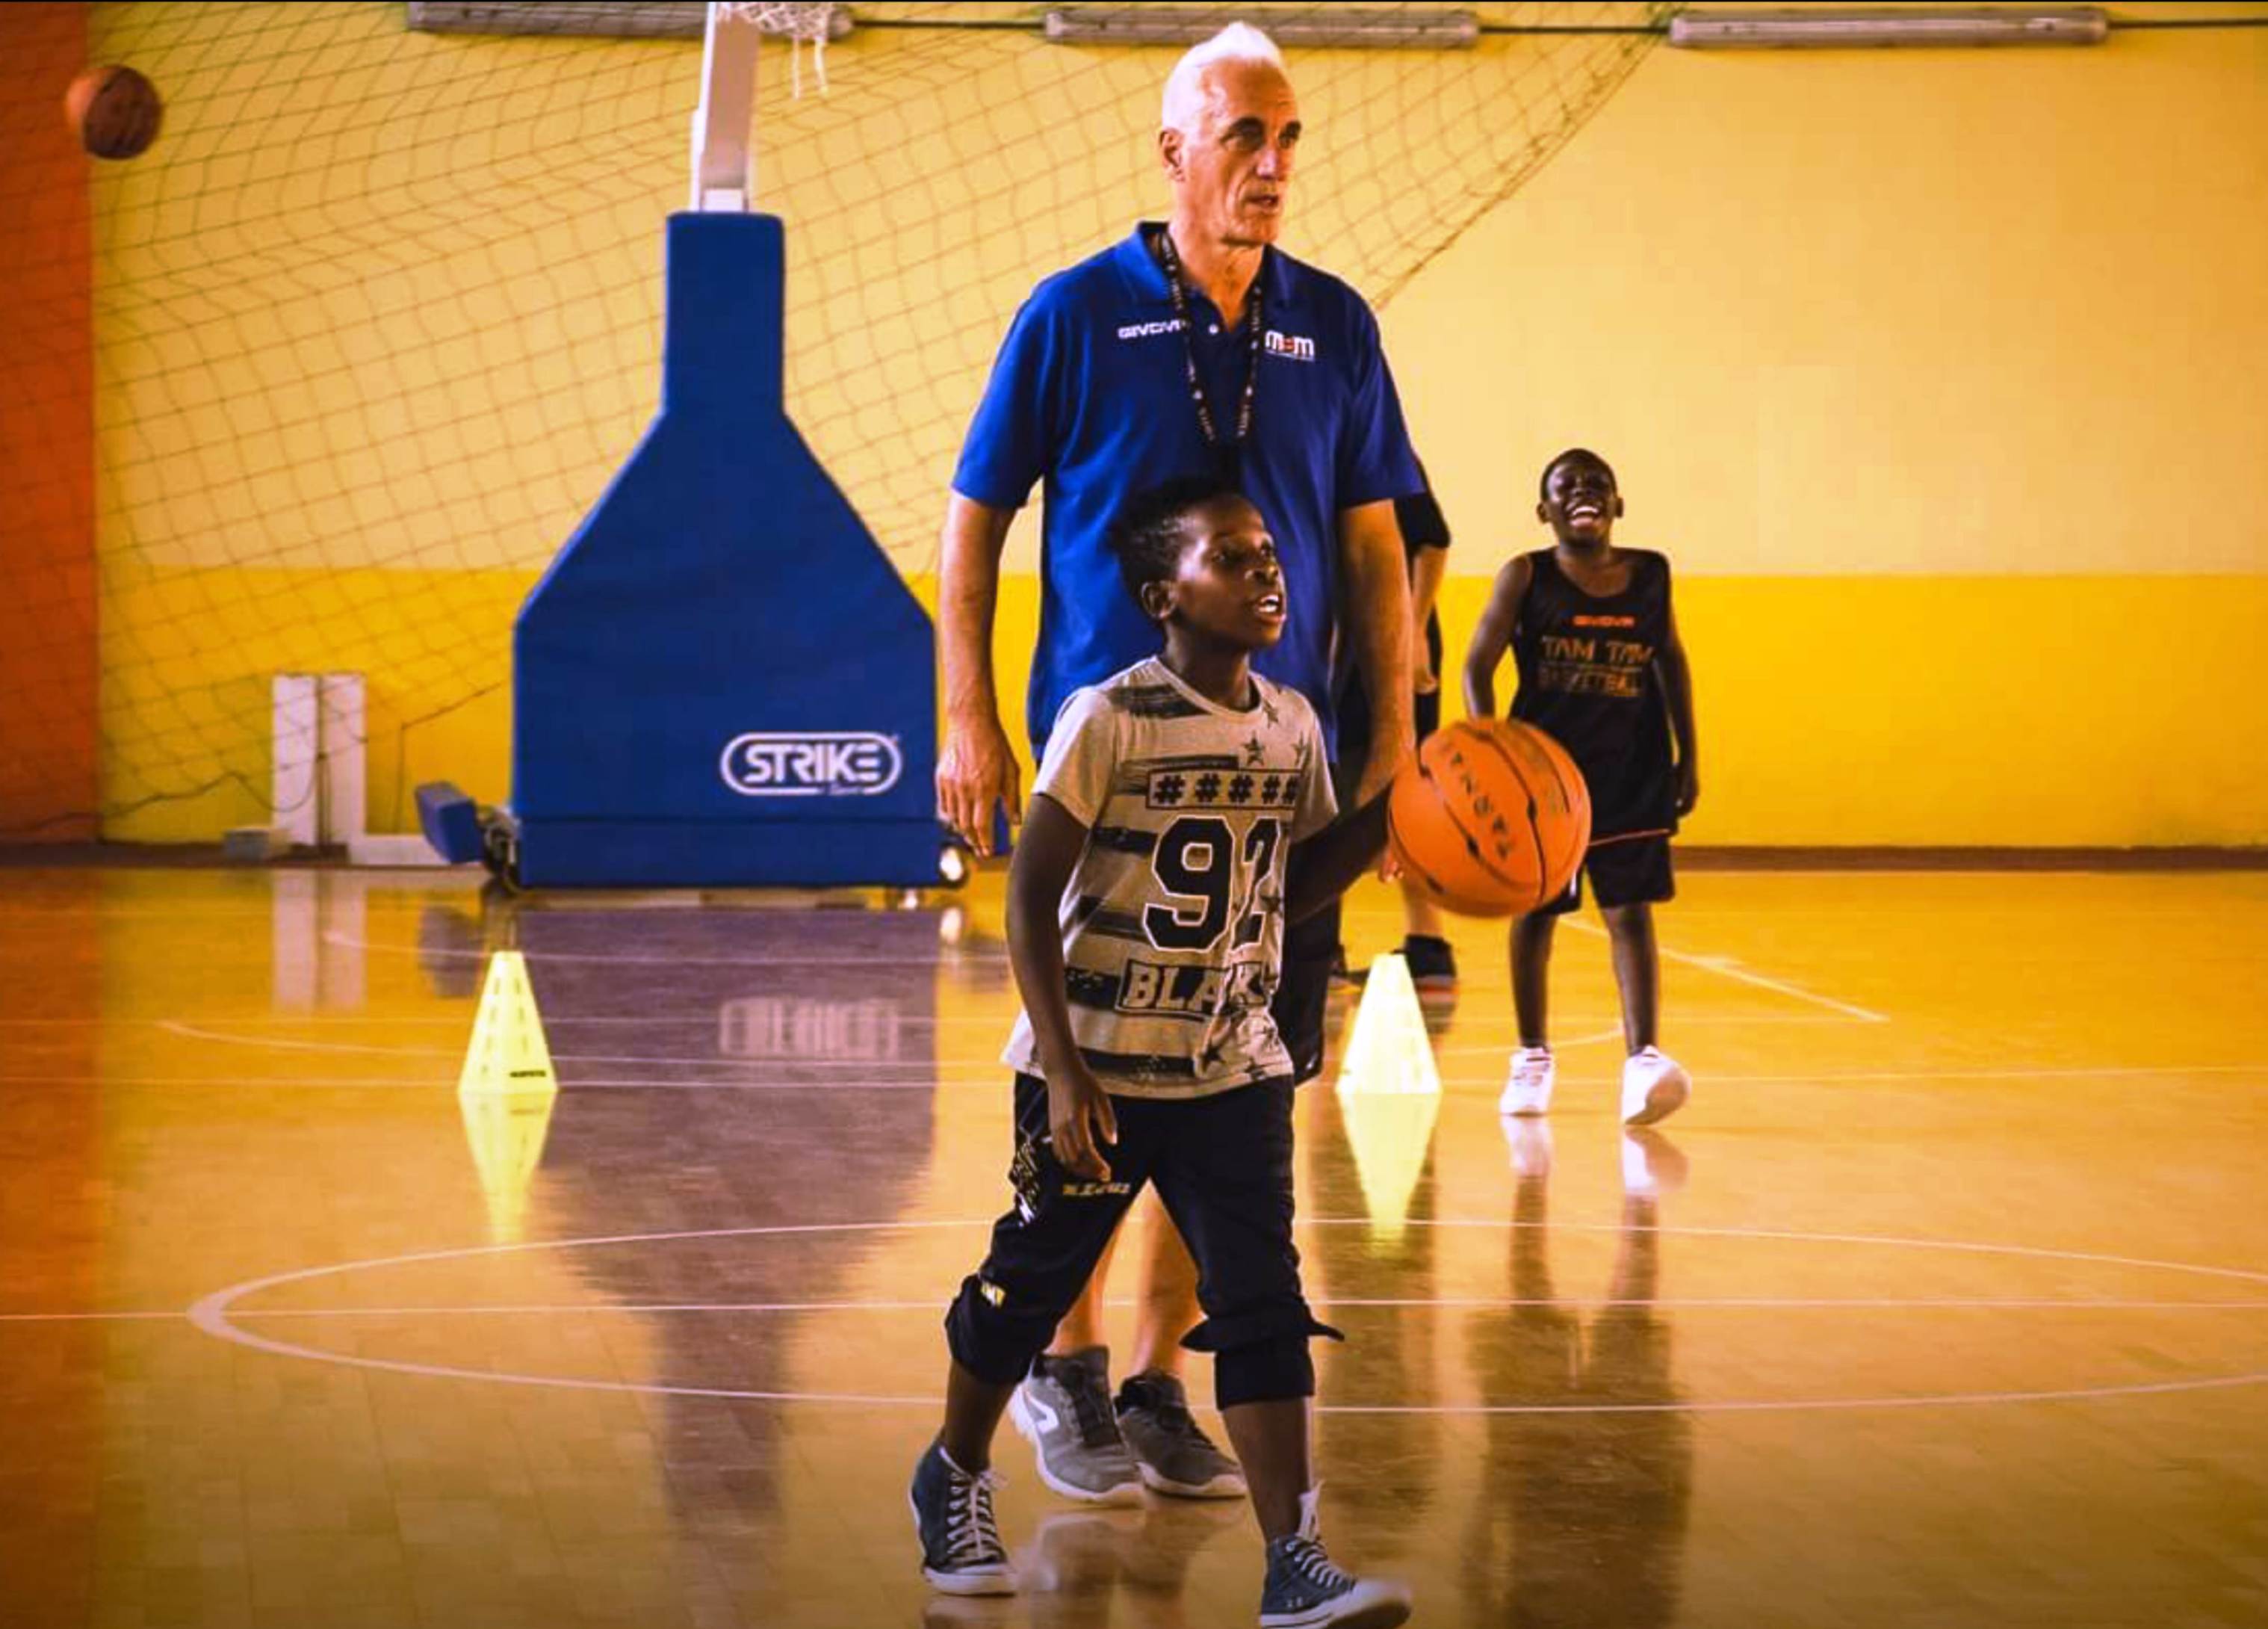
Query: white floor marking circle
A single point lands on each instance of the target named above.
(216, 1315)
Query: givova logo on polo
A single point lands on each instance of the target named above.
(811, 763)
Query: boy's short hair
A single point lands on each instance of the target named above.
(1147, 534)
(1574, 456)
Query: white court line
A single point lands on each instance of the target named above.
(1714, 964)
(944, 957)
(1565, 1303)
(278, 1044)
(551, 1020)
(1002, 1022)
(1595, 1038)
(712, 1061)
(991, 1077)
(212, 1314)
(1744, 1303)
(1726, 967)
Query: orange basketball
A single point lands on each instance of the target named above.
(1492, 819)
(114, 111)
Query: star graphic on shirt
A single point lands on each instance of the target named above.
(1211, 1055)
(1256, 750)
(1267, 709)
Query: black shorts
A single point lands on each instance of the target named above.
(1223, 1167)
(1623, 871)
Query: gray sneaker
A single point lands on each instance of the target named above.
(1063, 1409)
(1175, 1456)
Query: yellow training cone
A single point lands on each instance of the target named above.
(508, 1055)
(1388, 1050)
(1389, 1093)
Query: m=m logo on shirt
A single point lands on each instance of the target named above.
(1291, 347)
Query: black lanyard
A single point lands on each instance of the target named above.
(1230, 454)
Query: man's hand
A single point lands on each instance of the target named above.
(1080, 1121)
(1390, 750)
(1689, 787)
(974, 770)
(1376, 781)
(1425, 680)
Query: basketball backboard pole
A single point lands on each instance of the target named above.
(723, 166)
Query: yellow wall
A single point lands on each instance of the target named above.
(1943, 377)
(1939, 375)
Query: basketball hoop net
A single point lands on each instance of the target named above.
(797, 21)
(723, 162)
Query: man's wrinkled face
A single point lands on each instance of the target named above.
(1232, 173)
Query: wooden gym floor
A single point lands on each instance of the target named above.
(1945, 1302)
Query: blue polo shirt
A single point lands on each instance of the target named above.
(1089, 393)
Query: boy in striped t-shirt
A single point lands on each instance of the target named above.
(1181, 816)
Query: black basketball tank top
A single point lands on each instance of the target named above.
(1589, 677)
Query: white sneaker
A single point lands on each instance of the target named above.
(1654, 1087)
(1529, 1091)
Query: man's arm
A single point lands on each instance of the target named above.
(1427, 567)
(1327, 864)
(1377, 598)
(977, 768)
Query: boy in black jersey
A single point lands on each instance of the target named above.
(1602, 672)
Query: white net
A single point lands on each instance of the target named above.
(378, 317)
(799, 23)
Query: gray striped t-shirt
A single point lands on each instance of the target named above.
(1172, 922)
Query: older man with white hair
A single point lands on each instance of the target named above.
(1192, 346)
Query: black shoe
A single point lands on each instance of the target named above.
(1305, 1591)
(961, 1552)
(1342, 974)
(1432, 964)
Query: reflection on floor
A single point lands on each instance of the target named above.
(1945, 1302)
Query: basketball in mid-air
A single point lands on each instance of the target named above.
(114, 111)
(1491, 819)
